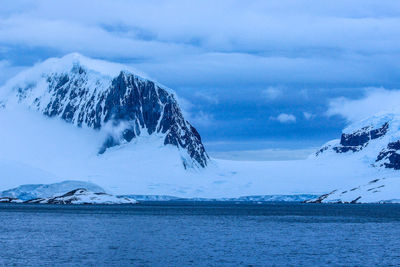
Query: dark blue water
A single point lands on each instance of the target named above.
(200, 234)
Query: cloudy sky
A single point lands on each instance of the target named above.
(249, 74)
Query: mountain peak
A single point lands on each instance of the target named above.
(98, 94)
(103, 69)
(375, 140)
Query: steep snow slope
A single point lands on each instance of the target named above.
(385, 190)
(108, 97)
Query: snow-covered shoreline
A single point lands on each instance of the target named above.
(78, 196)
(375, 191)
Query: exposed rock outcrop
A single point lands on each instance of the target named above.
(83, 196)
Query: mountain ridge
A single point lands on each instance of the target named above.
(375, 141)
(78, 91)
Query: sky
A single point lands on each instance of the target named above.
(250, 75)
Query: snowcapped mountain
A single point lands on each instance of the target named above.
(106, 97)
(374, 141)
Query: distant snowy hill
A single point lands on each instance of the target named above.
(32, 191)
(84, 196)
(105, 96)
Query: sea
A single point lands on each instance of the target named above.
(200, 234)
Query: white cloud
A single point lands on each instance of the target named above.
(7, 71)
(4, 64)
(284, 118)
(201, 119)
(262, 41)
(233, 26)
(196, 118)
(304, 93)
(264, 154)
(308, 115)
(184, 104)
(70, 36)
(271, 93)
(210, 98)
(375, 100)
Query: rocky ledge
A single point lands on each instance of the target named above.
(83, 196)
(10, 200)
(383, 190)
(357, 140)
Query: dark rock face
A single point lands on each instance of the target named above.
(320, 199)
(377, 133)
(63, 199)
(390, 156)
(321, 150)
(128, 102)
(359, 139)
